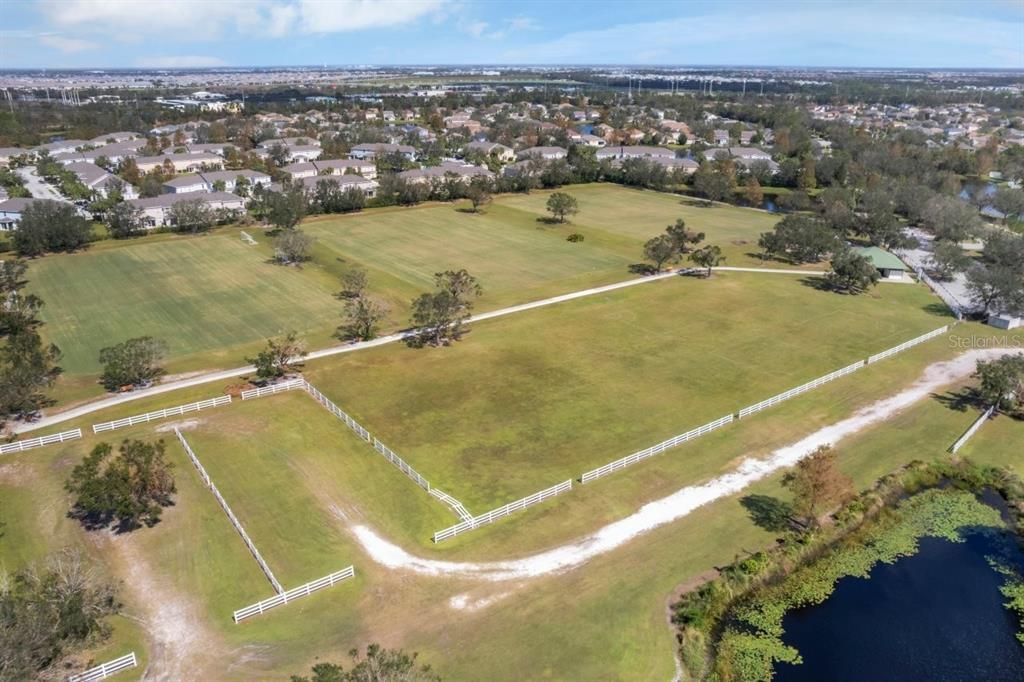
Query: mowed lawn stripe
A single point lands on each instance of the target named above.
(197, 294)
(515, 257)
(533, 399)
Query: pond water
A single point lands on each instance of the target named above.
(935, 616)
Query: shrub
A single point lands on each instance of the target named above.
(575, 237)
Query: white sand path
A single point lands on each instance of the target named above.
(680, 503)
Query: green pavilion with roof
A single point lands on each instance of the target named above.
(889, 265)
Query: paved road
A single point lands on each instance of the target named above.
(39, 188)
(226, 375)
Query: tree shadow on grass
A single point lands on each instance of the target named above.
(549, 221)
(816, 283)
(769, 513)
(961, 400)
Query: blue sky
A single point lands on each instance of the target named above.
(189, 33)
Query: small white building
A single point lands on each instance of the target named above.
(1005, 321)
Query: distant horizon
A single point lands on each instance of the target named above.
(193, 34)
(520, 66)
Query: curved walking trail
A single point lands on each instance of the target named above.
(228, 374)
(682, 502)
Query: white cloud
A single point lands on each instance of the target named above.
(836, 35)
(335, 16)
(479, 29)
(180, 62)
(67, 45)
(210, 19)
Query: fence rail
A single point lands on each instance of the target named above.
(388, 453)
(962, 440)
(231, 515)
(455, 505)
(247, 238)
(774, 400)
(624, 462)
(29, 443)
(293, 594)
(498, 513)
(161, 414)
(248, 394)
(105, 670)
(909, 344)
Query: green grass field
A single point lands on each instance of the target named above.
(215, 299)
(545, 395)
(283, 456)
(210, 294)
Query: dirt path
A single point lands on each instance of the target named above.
(179, 638)
(682, 502)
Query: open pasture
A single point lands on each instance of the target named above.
(211, 296)
(214, 299)
(540, 397)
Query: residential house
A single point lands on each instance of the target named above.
(464, 172)
(183, 163)
(100, 181)
(498, 151)
(586, 139)
(60, 147)
(371, 150)
(209, 181)
(308, 169)
(11, 210)
(344, 182)
(546, 153)
(156, 210)
(113, 138)
(635, 152)
(9, 153)
(218, 148)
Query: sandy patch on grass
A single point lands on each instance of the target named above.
(16, 474)
(179, 637)
(185, 425)
(682, 502)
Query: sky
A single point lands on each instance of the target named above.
(210, 33)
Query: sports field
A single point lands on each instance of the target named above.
(545, 395)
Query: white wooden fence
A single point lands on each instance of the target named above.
(455, 505)
(293, 594)
(774, 400)
(161, 414)
(231, 515)
(388, 453)
(909, 344)
(247, 238)
(273, 388)
(498, 513)
(955, 447)
(102, 672)
(29, 443)
(624, 462)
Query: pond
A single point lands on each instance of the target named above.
(936, 616)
